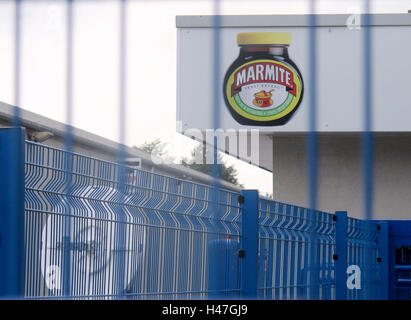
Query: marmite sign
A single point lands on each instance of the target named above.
(263, 87)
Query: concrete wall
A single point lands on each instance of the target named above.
(340, 179)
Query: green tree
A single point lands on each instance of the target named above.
(198, 161)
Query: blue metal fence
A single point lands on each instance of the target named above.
(167, 225)
(362, 246)
(176, 239)
(289, 236)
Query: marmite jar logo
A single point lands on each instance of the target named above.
(266, 88)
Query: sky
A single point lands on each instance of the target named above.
(151, 63)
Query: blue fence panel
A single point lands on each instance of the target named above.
(362, 251)
(285, 243)
(158, 248)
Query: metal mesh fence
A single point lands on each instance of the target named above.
(288, 235)
(157, 236)
(362, 251)
(94, 240)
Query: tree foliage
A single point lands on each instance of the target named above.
(197, 161)
(200, 162)
(154, 147)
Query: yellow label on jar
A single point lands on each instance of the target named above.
(263, 90)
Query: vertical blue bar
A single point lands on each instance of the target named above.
(122, 77)
(249, 243)
(69, 77)
(12, 255)
(216, 64)
(341, 252)
(383, 244)
(367, 138)
(216, 170)
(312, 148)
(68, 145)
(217, 259)
(121, 225)
(312, 134)
(17, 58)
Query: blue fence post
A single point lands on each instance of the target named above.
(249, 243)
(340, 256)
(383, 260)
(12, 213)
